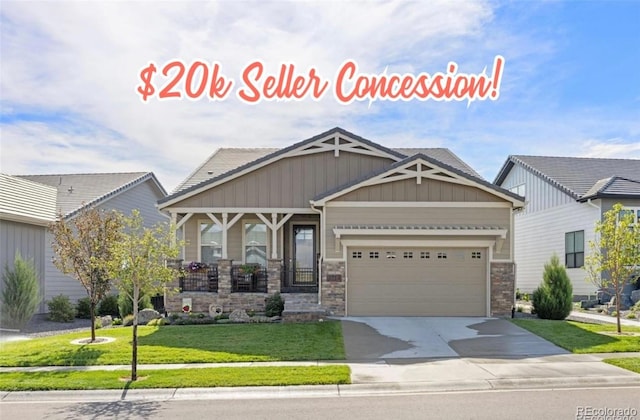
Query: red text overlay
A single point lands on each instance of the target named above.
(201, 79)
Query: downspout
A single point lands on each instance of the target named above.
(322, 228)
(589, 202)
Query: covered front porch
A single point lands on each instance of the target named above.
(235, 259)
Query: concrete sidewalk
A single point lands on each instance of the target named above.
(378, 377)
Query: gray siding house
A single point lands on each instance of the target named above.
(342, 225)
(26, 208)
(565, 196)
(109, 191)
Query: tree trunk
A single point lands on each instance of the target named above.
(93, 321)
(134, 354)
(618, 296)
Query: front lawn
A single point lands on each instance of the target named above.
(629, 363)
(579, 337)
(177, 378)
(184, 344)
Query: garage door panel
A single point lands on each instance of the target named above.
(416, 282)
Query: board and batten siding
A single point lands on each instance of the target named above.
(290, 182)
(142, 197)
(426, 216)
(29, 241)
(539, 194)
(427, 190)
(539, 235)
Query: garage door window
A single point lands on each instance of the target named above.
(425, 255)
(356, 254)
(442, 255)
(374, 255)
(476, 255)
(407, 255)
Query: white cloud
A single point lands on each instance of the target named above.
(77, 65)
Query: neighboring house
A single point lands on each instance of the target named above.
(340, 224)
(73, 192)
(565, 196)
(26, 208)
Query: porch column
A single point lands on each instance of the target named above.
(274, 273)
(225, 220)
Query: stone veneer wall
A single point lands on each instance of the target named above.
(201, 301)
(503, 280)
(333, 287)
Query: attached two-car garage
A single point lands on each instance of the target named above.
(414, 281)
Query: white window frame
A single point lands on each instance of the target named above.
(199, 235)
(255, 221)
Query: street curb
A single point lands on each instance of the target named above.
(318, 391)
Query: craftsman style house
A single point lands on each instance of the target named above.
(565, 197)
(344, 226)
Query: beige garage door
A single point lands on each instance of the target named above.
(416, 281)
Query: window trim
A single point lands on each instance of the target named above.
(575, 251)
(256, 221)
(199, 235)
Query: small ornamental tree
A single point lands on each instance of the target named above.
(21, 293)
(615, 254)
(83, 248)
(553, 298)
(139, 266)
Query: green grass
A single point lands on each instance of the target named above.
(184, 344)
(579, 337)
(179, 378)
(629, 363)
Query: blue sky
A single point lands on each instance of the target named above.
(570, 87)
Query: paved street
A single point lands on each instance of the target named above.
(494, 405)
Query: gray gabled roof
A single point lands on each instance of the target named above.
(613, 187)
(222, 161)
(430, 160)
(225, 162)
(76, 191)
(26, 201)
(573, 175)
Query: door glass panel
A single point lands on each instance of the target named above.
(304, 248)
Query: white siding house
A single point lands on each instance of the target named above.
(26, 208)
(112, 191)
(564, 197)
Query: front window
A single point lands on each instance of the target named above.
(210, 243)
(255, 243)
(574, 249)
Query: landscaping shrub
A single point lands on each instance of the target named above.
(125, 306)
(109, 306)
(21, 293)
(157, 322)
(127, 321)
(274, 305)
(61, 309)
(116, 321)
(83, 308)
(553, 299)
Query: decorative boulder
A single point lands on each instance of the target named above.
(239, 315)
(635, 296)
(106, 321)
(146, 315)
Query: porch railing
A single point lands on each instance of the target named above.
(255, 282)
(202, 280)
(299, 280)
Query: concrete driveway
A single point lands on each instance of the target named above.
(368, 338)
